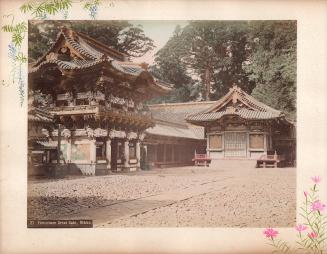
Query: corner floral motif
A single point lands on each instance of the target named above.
(312, 232)
(41, 10)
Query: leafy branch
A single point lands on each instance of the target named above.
(41, 9)
(17, 31)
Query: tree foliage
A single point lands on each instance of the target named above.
(272, 64)
(211, 56)
(120, 35)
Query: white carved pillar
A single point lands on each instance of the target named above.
(165, 153)
(138, 153)
(248, 152)
(108, 153)
(93, 151)
(265, 143)
(208, 147)
(126, 154)
(69, 150)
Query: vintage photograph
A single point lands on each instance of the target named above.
(162, 123)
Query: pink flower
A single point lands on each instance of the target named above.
(269, 232)
(305, 194)
(301, 227)
(316, 179)
(317, 206)
(313, 235)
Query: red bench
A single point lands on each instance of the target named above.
(201, 160)
(270, 160)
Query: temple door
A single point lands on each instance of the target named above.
(235, 144)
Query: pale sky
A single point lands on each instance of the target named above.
(159, 31)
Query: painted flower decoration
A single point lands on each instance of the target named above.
(313, 235)
(270, 232)
(317, 206)
(305, 193)
(316, 179)
(301, 228)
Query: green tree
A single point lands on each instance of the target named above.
(209, 52)
(211, 56)
(272, 64)
(170, 68)
(120, 35)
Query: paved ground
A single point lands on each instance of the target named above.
(229, 194)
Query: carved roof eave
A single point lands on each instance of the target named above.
(156, 86)
(236, 93)
(69, 37)
(206, 122)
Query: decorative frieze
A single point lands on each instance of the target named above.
(139, 106)
(117, 134)
(100, 132)
(80, 132)
(130, 103)
(45, 132)
(89, 132)
(85, 95)
(64, 133)
(65, 96)
(116, 100)
(141, 136)
(132, 135)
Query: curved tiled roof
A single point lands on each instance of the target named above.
(92, 53)
(177, 112)
(39, 115)
(252, 109)
(243, 113)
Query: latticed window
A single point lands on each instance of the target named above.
(215, 141)
(256, 141)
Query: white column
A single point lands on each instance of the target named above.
(108, 153)
(126, 153)
(165, 154)
(248, 154)
(208, 148)
(93, 151)
(138, 153)
(265, 142)
(69, 150)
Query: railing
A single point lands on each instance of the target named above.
(95, 109)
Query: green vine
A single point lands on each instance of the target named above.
(41, 9)
(18, 31)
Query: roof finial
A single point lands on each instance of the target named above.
(63, 28)
(144, 65)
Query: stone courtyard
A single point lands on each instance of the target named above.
(226, 194)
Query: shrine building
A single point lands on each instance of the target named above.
(240, 127)
(96, 97)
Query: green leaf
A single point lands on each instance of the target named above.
(27, 7)
(17, 39)
(7, 28)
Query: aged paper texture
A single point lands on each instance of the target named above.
(15, 237)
